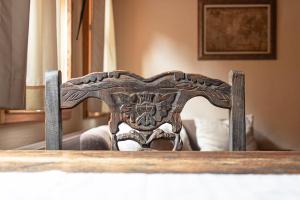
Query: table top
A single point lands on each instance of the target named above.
(279, 162)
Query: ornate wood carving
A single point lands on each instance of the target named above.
(146, 138)
(144, 109)
(145, 104)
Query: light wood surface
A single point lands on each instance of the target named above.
(152, 162)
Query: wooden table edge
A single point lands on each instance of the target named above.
(280, 162)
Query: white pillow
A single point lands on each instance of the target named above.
(127, 145)
(134, 146)
(213, 135)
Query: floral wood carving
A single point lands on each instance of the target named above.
(145, 104)
(144, 109)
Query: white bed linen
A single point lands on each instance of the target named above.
(90, 186)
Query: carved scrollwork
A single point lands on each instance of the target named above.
(145, 104)
(74, 95)
(144, 109)
(132, 135)
(160, 134)
(145, 140)
(216, 91)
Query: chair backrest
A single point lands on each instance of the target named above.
(144, 104)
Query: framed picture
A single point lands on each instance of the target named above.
(237, 29)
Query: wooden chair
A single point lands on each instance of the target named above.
(144, 104)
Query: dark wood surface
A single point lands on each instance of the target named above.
(53, 118)
(237, 123)
(147, 103)
(152, 162)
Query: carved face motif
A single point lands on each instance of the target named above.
(144, 109)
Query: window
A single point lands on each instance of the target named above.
(49, 48)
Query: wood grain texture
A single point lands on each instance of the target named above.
(53, 119)
(96, 84)
(152, 162)
(145, 104)
(237, 123)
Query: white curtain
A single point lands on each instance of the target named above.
(42, 41)
(14, 17)
(47, 47)
(109, 57)
(63, 38)
(47, 41)
(109, 52)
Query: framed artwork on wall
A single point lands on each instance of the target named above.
(236, 29)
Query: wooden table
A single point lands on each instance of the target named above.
(152, 162)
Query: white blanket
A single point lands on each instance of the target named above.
(90, 186)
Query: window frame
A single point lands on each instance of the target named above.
(25, 115)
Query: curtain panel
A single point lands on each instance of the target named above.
(14, 20)
(47, 47)
(109, 58)
(42, 48)
(48, 40)
(109, 52)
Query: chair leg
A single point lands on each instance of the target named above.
(114, 142)
(177, 143)
(237, 113)
(53, 121)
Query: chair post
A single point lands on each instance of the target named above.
(53, 121)
(237, 130)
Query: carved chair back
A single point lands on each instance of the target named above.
(144, 104)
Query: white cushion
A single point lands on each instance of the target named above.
(127, 145)
(91, 139)
(213, 135)
(134, 146)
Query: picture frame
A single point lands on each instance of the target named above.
(237, 29)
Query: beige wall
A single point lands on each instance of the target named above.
(154, 36)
